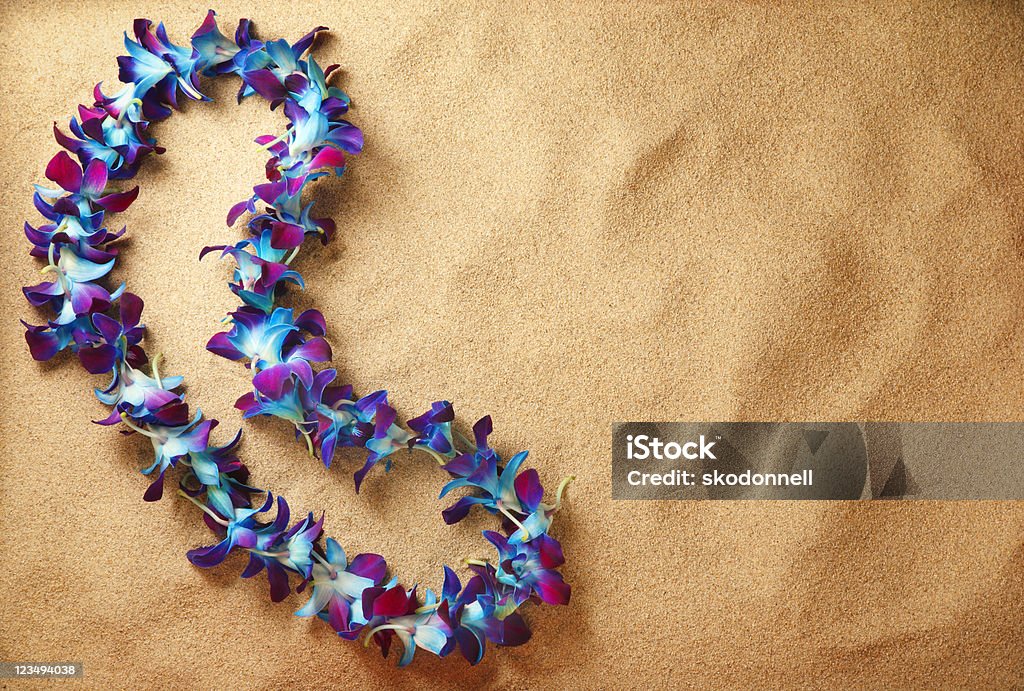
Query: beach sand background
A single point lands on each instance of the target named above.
(565, 216)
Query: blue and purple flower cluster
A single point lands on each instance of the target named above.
(103, 327)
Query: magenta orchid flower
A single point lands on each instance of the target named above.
(85, 188)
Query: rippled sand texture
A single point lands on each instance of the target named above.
(563, 217)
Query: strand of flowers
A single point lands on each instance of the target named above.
(355, 598)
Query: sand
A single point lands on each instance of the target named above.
(564, 216)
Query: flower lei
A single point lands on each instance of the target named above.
(355, 597)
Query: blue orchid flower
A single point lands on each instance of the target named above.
(119, 145)
(517, 496)
(466, 464)
(260, 245)
(84, 232)
(251, 55)
(73, 294)
(308, 130)
(230, 492)
(338, 588)
(387, 438)
(140, 396)
(293, 401)
(279, 551)
(499, 493)
(288, 405)
(216, 51)
(343, 422)
(278, 346)
(210, 465)
(317, 138)
(255, 336)
(221, 475)
(312, 93)
(395, 614)
(170, 445)
(367, 422)
(297, 545)
(142, 68)
(158, 68)
(258, 271)
(286, 218)
(428, 630)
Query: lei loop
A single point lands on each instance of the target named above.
(103, 328)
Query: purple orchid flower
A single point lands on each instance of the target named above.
(292, 401)
(46, 340)
(530, 567)
(110, 140)
(466, 464)
(122, 106)
(250, 52)
(429, 630)
(270, 546)
(119, 144)
(237, 531)
(517, 496)
(255, 336)
(276, 346)
(316, 138)
(286, 218)
(387, 438)
(84, 232)
(297, 352)
(288, 405)
(434, 429)
(115, 340)
(266, 69)
(475, 614)
(367, 422)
